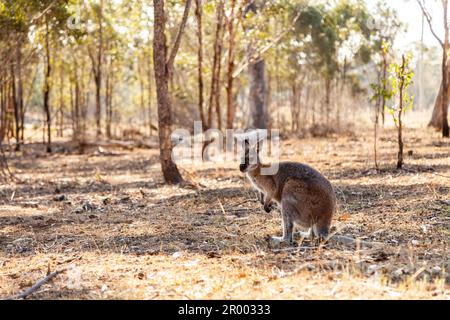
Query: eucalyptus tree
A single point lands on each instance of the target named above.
(163, 64)
(443, 95)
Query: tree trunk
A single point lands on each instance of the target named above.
(328, 84)
(20, 93)
(47, 88)
(61, 103)
(149, 89)
(257, 83)
(16, 108)
(229, 88)
(218, 76)
(258, 110)
(215, 75)
(97, 70)
(384, 81)
(160, 63)
(198, 14)
(294, 110)
(436, 118)
(108, 98)
(445, 80)
(400, 120)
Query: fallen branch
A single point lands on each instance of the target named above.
(351, 241)
(121, 144)
(35, 287)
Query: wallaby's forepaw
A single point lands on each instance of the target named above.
(269, 207)
(278, 241)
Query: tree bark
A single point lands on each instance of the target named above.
(149, 89)
(20, 94)
(384, 83)
(229, 87)
(97, 70)
(445, 80)
(198, 14)
(47, 88)
(436, 118)
(257, 83)
(161, 66)
(61, 103)
(215, 75)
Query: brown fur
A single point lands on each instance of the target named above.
(306, 197)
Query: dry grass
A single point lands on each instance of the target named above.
(123, 234)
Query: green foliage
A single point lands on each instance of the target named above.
(400, 79)
(382, 88)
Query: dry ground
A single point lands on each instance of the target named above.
(122, 234)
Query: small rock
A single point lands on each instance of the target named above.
(87, 206)
(398, 272)
(61, 197)
(436, 270)
(140, 275)
(372, 268)
(414, 242)
(177, 255)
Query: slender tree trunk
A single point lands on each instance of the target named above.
(327, 101)
(149, 89)
(198, 14)
(15, 107)
(61, 103)
(219, 72)
(108, 101)
(257, 83)
(97, 70)
(376, 123)
(384, 84)
(141, 72)
(160, 63)
(400, 119)
(294, 110)
(229, 88)
(445, 80)
(20, 94)
(47, 88)
(216, 68)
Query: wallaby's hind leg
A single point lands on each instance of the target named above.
(288, 213)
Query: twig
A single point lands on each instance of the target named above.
(35, 287)
(427, 16)
(176, 44)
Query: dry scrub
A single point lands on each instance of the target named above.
(121, 233)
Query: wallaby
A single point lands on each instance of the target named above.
(306, 197)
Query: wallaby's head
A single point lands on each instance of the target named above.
(250, 161)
